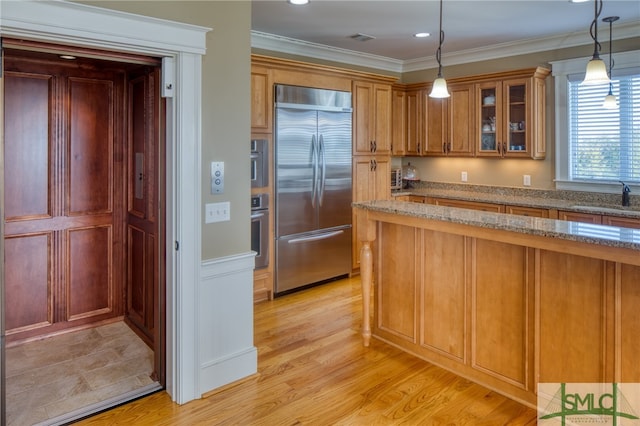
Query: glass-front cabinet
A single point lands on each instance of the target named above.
(503, 114)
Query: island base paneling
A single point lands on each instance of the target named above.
(501, 313)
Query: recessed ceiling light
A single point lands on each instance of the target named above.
(578, 1)
(298, 2)
(421, 35)
(68, 57)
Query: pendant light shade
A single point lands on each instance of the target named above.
(596, 72)
(596, 68)
(610, 101)
(439, 88)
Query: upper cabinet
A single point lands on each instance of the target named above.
(398, 121)
(450, 122)
(491, 115)
(511, 116)
(372, 118)
(261, 100)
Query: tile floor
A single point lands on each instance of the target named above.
(52, 377)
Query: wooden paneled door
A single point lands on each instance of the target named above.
(83, 173)
(144, 173)
(63, 171)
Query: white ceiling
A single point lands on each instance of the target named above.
(469, 25)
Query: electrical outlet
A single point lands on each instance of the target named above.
(463, 176)
(526, 180)
(217, 212)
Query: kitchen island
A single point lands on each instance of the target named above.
(506, 301)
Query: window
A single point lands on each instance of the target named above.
(597, 147)
(604, 144)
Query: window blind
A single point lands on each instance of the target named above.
(605, 143)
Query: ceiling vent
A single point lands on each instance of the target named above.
(362, 37)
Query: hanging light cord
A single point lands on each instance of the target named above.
(593, 29)
(611, 61)
(439, 51)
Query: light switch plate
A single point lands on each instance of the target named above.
(217, 212)
(217, 177)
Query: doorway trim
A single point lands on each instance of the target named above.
(182, 46)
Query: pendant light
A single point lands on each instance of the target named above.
(596, 69)
(439, 88)
(610, 100)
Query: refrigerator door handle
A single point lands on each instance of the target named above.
(323, 170)
(315, 237)
(314, 162)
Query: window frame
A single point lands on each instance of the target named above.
(561, 70)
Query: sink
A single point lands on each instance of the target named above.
(603, 209)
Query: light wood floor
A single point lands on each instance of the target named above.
(313, 370)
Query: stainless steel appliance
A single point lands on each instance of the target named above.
(259, 163)
(312, 186)
(260, 229)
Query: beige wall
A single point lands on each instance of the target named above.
(225, 107)
(503, 172)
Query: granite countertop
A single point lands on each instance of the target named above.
(603, 235)
(584, 202)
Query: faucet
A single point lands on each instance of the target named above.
(625, 194)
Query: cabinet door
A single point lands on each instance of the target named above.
(515, 117)
(371, 181)
(399, 122)
(382, 119)
(437, 121)
(489, 136)
(461, 123)
(363, 117)
(580, 217)
(261, 100)
(527, 211)
(473, 205)
(623, 222)
(372, 118)
(415, 123)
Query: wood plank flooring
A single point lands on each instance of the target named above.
(313, 370)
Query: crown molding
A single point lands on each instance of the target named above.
(260, 40)
(288, 45)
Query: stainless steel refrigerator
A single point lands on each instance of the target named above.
(312, 186)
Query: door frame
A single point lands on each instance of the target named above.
(181, 46)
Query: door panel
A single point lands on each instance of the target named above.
(334, 133)
(90, 263)
(27, 156)
(64, 177)
(90, 155)
(28, 281)
(143, 183)
(295, 138)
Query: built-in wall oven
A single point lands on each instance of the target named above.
(260, 229)
(259, 163)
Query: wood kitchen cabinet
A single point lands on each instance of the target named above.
(511, 116)
(261, 100)
(579, 217)
(398, 121)
(370, 182)
(371, 118)
(463, 204)
(450, 122)
(527, 211)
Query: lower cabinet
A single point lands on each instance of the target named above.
(474, 205)
(505, 315)
(371, 181)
